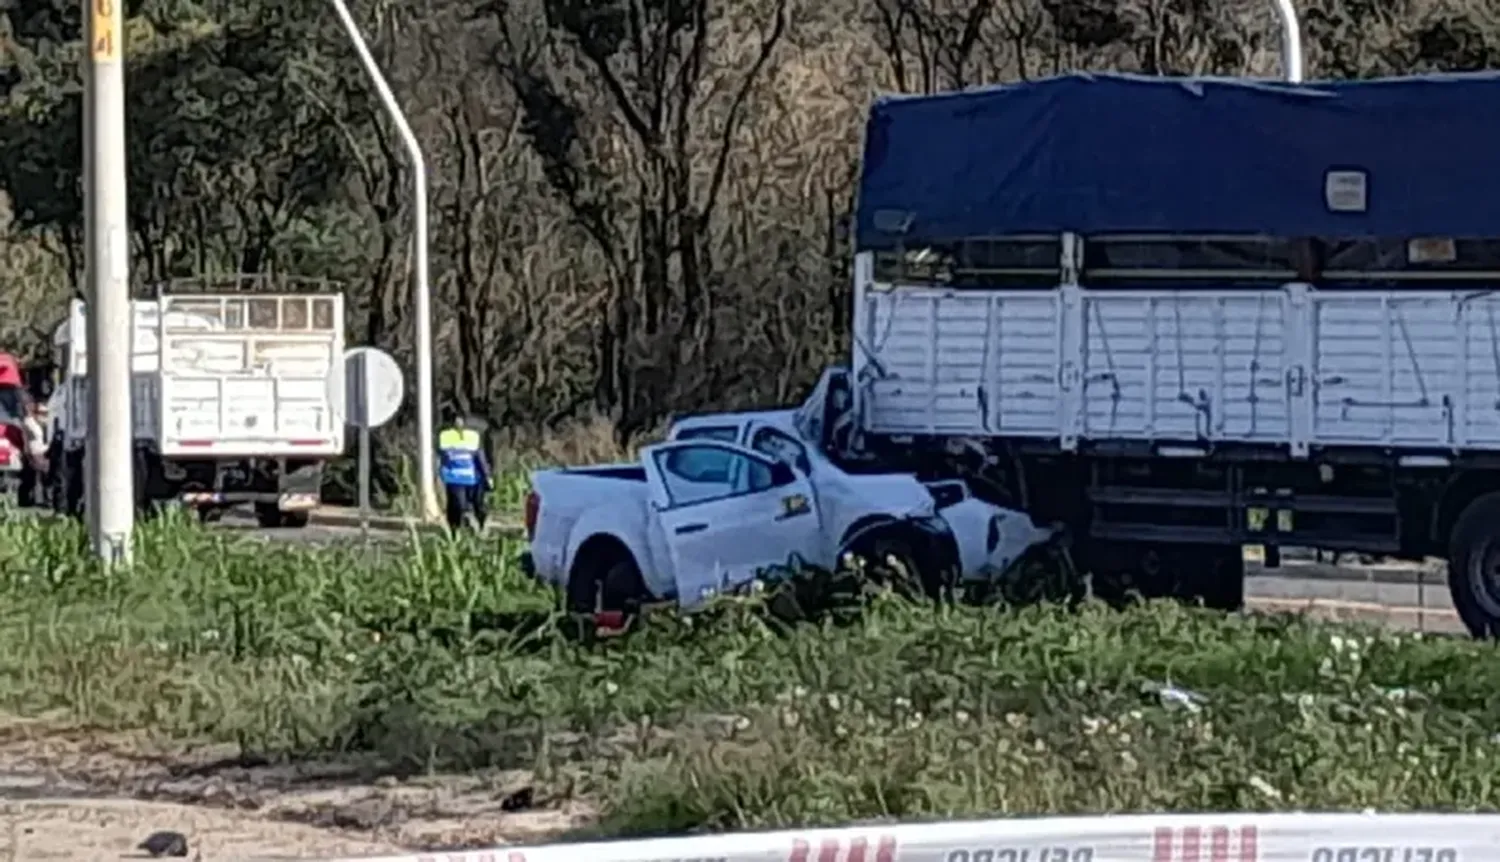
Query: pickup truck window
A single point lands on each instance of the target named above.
(782, 447)
(724, 433)
(698, 474)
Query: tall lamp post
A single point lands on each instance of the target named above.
(111, 477)
(425, 431)
(1291, 41)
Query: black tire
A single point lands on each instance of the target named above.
(144, 471)
(1216, 577)
(1474, 566)
(27, 485)
(57, 481)
(294, 520)
(892, 558)
(1211, 575)
(66, 478)
(268, 516)
(614, 585)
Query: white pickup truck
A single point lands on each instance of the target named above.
(730, 496)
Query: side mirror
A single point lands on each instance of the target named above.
(782, 474)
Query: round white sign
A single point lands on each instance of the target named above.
(373, 387)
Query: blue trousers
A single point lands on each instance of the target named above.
(464, 500)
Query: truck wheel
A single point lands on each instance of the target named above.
(1474, 566)
(66, 478)
(891, 559)
(1211, 574)
(26, 487)
(269, 516)
(145, 470)
(616, 585)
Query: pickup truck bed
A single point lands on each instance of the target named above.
(1290, 366)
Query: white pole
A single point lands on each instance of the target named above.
(1291, 41)
(106, 230)
(427, 440)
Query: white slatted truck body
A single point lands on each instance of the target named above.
(1185, 316)
(237, 398)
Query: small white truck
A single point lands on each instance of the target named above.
(237, 398)
(731, 496)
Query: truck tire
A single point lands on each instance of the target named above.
(1213, 575)
(66, 480)
(615, 584)
(1474, 566)
(145, 475)
(28, 483)
(891, 557)
(269, 516)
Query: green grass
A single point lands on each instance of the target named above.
(439, 655)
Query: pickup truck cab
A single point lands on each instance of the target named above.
(729, 496)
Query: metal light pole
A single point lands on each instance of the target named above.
(425, 432)
(111, 506)
(1291, 41)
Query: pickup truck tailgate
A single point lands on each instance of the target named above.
(563, 497)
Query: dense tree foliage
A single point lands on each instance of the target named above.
(634, 202)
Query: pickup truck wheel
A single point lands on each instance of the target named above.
(615, 586)
(890, 559)
(1474, 567)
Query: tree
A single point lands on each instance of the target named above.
(651, 219)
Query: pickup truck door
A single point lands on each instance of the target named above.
(727, 512)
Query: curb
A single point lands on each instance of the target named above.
(1444, 621)
(388, 523)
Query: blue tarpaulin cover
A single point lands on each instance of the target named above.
(1130, 154)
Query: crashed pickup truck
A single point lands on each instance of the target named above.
(729, 497)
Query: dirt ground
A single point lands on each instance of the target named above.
(78, 795)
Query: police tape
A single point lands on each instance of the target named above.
(1122, 838)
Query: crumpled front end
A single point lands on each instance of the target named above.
(990, 539)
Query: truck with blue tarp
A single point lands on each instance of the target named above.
(1181, 316)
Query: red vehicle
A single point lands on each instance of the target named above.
(18, 473)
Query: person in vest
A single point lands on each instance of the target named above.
(465, 472)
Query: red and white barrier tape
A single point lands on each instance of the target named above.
(1132, 838)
